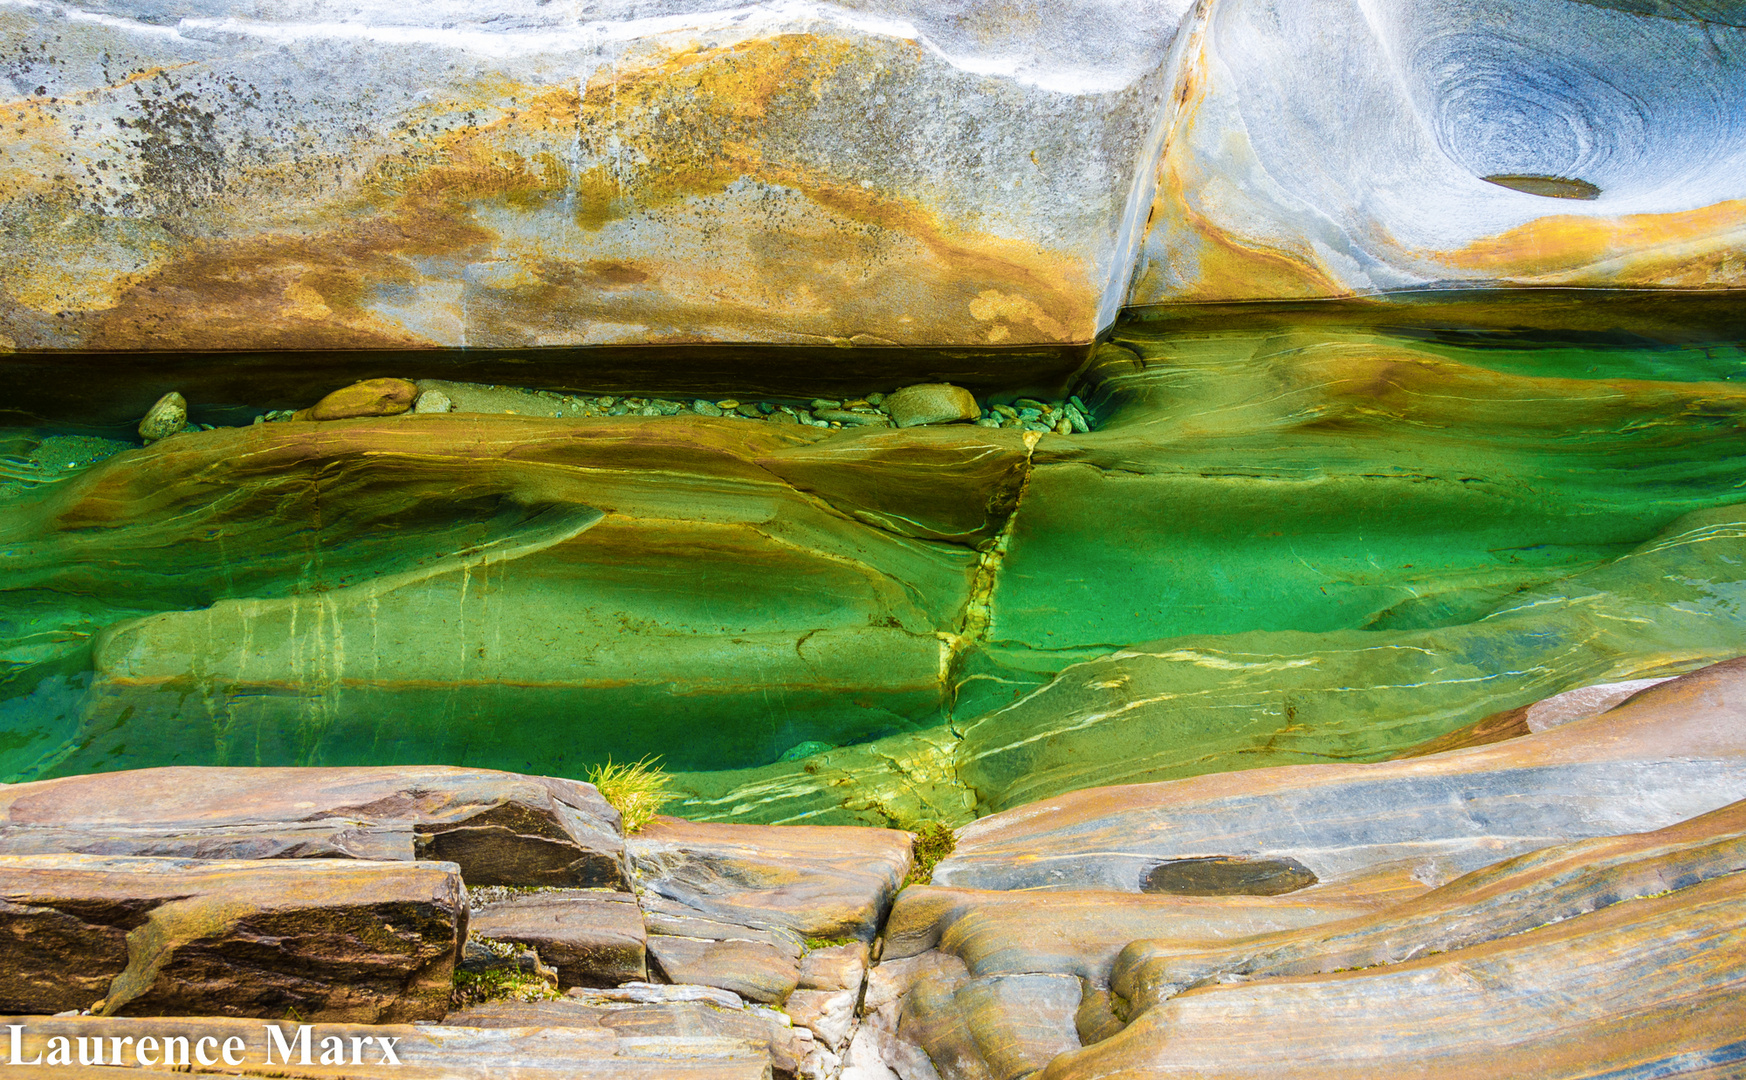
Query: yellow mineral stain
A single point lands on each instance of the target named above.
(1213, 264)
(1693, 248)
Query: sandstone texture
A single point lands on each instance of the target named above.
(887, 175)
(498, 828)
(344, 941)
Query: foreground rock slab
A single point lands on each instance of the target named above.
(592, 938)
(817, 881)
(1556, 966)
(421, 1052)
(1672, 752)
(334, 940)
(499, 828)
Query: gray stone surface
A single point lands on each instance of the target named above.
(500, 828)
(592, 938)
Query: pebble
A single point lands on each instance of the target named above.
(988, 422)
(706, 408)
(164, 418)
(1030, 414)
(726, 404)
(1063, 426)
(826, 403)
(1007, 411)
(931, 403)
(875, 399)
(805, 750)
(749, 411)
(432, 401)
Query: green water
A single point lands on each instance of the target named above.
(1304, 502)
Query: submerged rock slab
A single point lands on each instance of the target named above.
(342, 941)
(1193, 705)
(549, 574)
(1673, 752)
(499, 828)
(341, 177)
(1328, 148)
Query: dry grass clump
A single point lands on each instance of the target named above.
(637, 791)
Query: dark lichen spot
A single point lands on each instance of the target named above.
(1223, 875)
(1552, 187)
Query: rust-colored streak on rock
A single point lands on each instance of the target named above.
(1691, 249)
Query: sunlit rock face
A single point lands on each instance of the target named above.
(214, 175)
(1324, 147)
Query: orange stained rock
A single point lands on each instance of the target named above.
(1692, 249)
(1209, 263)
(664, 141)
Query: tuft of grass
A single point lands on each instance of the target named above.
(828, 942)
(500, 984)
(933, 842)
(637, 791)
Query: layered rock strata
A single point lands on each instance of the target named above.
(333, 940)
(497, 828)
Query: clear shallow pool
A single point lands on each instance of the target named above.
(1284, 490)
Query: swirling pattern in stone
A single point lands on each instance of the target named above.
(1334, 146)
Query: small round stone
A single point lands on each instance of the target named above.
(433, 401)
(931, 403)
(164, 418)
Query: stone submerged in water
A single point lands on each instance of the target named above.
(372, 397)
(164, 418)
(931, 403)
(432, 401)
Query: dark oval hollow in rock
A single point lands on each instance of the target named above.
(1223, 875)
(1553, 187)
